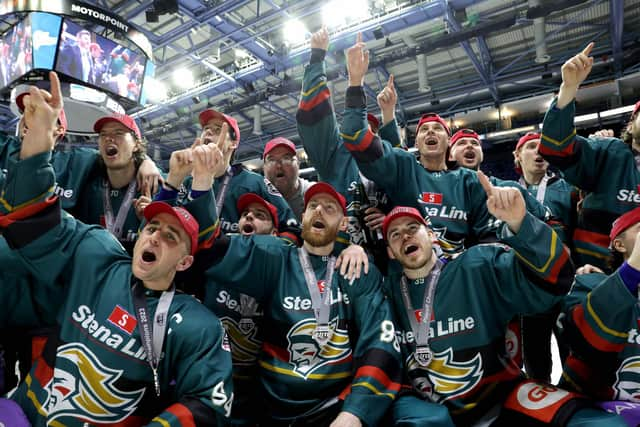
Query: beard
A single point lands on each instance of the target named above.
(328, 235)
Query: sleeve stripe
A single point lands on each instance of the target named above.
(552, 255)
(601, 324)
(558, 265)
(26, 212)
(181, 412)
(313, 116)
(558, 143)
(374, 390)
(379, 375)
(364, 143)
(314, 88)
(10, 208)
(591, 237)
(315, 101)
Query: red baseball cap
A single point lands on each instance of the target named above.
(278, 142)
(246, 199)
(188, 222)
(463, 133)
(433, 117)
(400, 211)
(623, 222)
(123, 119)
(323, 187)
(62, 117)
(525, 138)
(374, 122)
(209, 114)
(636, 108)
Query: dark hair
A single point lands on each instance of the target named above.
(615, 260)
(626, 136)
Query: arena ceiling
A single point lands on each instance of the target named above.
(461, 58)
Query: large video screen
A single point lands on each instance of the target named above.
(100, 62)
(16, 52)
(46, 29)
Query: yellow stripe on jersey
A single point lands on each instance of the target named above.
(600, 323)
(310, 91)
(558, 143)
(373, 389)
(333, 376)
(552, 255)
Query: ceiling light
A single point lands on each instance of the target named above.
(294, 32)
(183, 78)
(156, 90)
(339, 12)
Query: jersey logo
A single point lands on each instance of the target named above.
(245, 346)
(306, 355)
(445, 378)
(431, 198)
(448, 246)
(271, 189)
(627, 385)
(122, 319)
(83, 388)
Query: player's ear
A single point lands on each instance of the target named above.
(184, 263)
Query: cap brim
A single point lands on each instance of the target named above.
(155, 208)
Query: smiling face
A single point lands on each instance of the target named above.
(256, 219)
(321, 220)
(161, 250)
(432, 140)
(530, 160)
(467, 152)
(409, 242)
(117, 144)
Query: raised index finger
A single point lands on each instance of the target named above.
(390, 81)
(56, 92)
(587, 50)
(486, 184)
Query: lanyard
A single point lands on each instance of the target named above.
(320, 301)
(115, 227)
(423, 353)
(542, 188)
(223, 192)
(152, 335)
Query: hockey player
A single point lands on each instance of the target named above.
(233, 181)
(585, 161)
(330, 354)
(452, 199)
(451, 320)
(110, 197)
(106, 365)
(321, 139)
(547, 187)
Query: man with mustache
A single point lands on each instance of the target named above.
(129, 349)
(330, 354)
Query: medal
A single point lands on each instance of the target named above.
(321, 334)
(423, 355)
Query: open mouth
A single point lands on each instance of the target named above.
(471, 155)
(431, 141)
(111, 150)
(410, 249)
(148, 256)
(248, 229)
(318, 224)
(280, 175)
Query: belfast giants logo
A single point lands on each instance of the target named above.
(245, 346)
(448, 246)
(445, 378)
(306, 355)
(627, 385)
(83, 388)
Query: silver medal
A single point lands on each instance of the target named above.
(321, 334)
(423, 355)
(246, 325)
